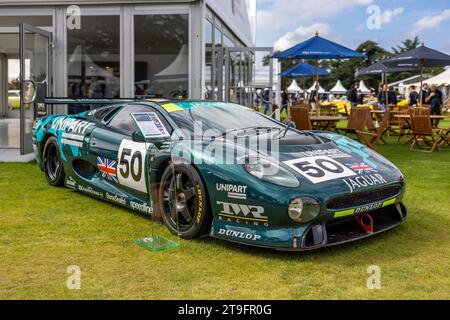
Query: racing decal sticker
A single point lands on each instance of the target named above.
(242, 214)
(91, 191)
(319, 169)
(199, 205)
(239, 234)
(233, 191)
(108, 168)
(72, 139)
(332, 153)
(71, 125)
(131, 167)
(366, 208)
(115, 198)
(361, 168)
(142, 207)
(71, 183)
(364, 181)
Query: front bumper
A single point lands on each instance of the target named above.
(314, 236)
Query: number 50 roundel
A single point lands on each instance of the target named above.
(320, 169)
(131, 165)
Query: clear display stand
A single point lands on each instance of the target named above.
(151, 128)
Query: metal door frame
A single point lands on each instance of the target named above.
(23, 28)
(228, 50)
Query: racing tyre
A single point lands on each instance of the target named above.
(184, 202)
(53, 166)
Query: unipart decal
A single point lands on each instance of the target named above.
(332, 153)
(233, 191)
(71, 125)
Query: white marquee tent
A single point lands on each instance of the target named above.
(321, 90)
(363, 87)
(442, 79)
(293, 88)
(338, 88)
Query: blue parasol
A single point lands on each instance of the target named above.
(303, 70)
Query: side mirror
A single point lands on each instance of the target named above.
(292, 124)
(138, 136)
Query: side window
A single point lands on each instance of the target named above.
(123, 120)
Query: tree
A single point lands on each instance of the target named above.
(407, 45)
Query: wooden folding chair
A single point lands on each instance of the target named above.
(360, 120)
(445, 137)
(300, 115)
(403, 125)
(424, 132)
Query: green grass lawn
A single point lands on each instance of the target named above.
(43, 230)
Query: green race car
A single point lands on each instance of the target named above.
(291, 190)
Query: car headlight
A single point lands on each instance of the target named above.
(303, 209)
(271, 171)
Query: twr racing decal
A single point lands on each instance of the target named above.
(242, 213)
(320, 169)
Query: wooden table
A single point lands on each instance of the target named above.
(326, 123)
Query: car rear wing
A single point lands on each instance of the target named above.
(46, 108)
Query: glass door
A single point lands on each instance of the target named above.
(35, 83)
(244, 83)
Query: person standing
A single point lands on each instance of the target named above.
(413, 96)
(352, 95)
(435, 100)
(424, 92)
(284, 100)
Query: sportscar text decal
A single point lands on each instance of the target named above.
(233, 191)
(319, 169)
(131, 167)
(332, 153)
(242, 213)
(71, 125)
(239, 234)
(361, 182)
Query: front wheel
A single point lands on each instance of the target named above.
(53, 166)
(184, 202)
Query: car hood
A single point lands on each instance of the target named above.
(337, 163)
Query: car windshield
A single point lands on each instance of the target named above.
(230, 119)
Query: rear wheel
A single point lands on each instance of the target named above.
(184, 202)
(53, 166)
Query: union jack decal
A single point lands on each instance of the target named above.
(108, 168)
(361, 168)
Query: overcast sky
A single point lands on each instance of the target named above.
(284, 23)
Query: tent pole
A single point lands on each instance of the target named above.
(421, 82)
(387, 90)
(317, 85)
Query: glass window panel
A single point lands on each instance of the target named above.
(161, 55)
(208, 59)
(218, 62)
(93, 59)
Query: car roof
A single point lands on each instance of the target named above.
(180, 105)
